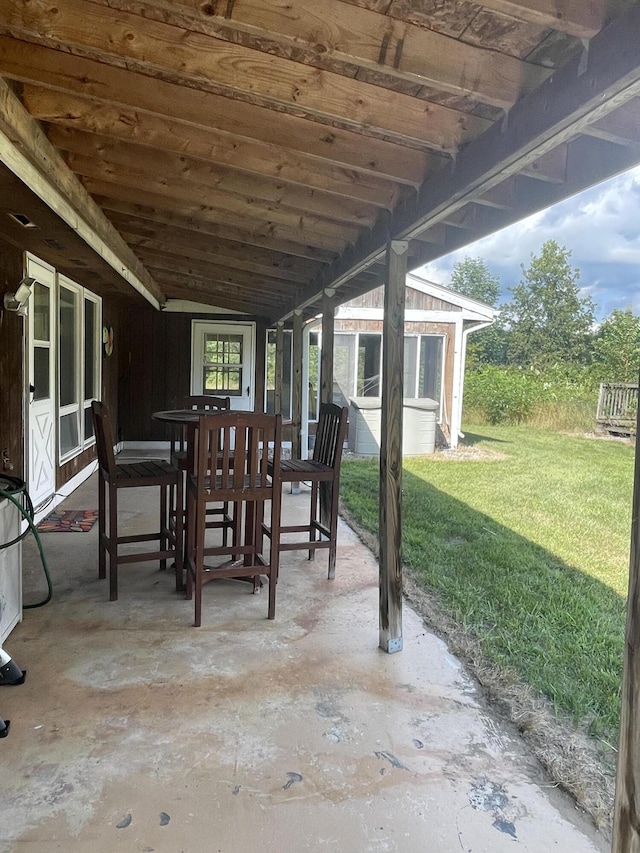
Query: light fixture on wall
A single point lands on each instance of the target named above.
(18, 301)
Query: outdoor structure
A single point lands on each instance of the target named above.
(177, 178)
(437, 325)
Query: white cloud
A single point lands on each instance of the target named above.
(601, 229)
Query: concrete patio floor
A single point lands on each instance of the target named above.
(135, 731)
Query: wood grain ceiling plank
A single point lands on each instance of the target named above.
(242, 264)
(218, 283)
(323, 34)
(69, 114)
(251, 234)
(575, 17)
(192, 58)
(96, 175)
(39, 165)
(179, 288)
(218, 272)
(109, 194)
(239, 252)
(83, 147)
(104, 84)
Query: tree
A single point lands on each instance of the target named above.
(471, 277)
(616, 348)
(549, 322)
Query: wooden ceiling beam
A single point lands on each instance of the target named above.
(85, 150)
(219, 287)
(213, 247)
(620, 126)
(575, 96)
(574, 17)
(195, 60)
(28, 153)
(341, 37)
(242, 263)
(176, 288)
(68, 114)
(224, 206)
(265, 285)
(182, 218)
(120, 88)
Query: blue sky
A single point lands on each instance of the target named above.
(601, 228)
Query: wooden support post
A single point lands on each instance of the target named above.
(390, 527)
(261, 365)
(326, 388)
(626, 827)
(279, 377)
(326, 363)
(296, 393)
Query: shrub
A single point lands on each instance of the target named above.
(559, 397)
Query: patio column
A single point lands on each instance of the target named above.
(279, 377)
(326, 363)
(296, 392)
(390, 528)
(626, 828)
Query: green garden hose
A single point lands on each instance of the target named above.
(18, 487)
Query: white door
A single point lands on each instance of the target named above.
(40, 432)
(222, 361)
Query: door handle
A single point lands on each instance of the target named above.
(248, 389)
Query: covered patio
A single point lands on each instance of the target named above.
(136, 731)
(166, 167)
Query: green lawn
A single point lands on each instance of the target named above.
(528, 550)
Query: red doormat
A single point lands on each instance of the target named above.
(69, 521)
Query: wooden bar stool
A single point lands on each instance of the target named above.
(111, 478)
(323, 472)
(240, 443)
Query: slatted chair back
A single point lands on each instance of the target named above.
(207, 402)
(322, 471)
(242, 444)
(104, 440)
(112, 477)
(330, 435)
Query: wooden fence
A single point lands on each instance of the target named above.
(618, 406)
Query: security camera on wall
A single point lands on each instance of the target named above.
(18, 301)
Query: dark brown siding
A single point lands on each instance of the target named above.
(11, 379)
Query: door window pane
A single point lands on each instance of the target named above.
(41, 326)
(42, 391)
(222, 365)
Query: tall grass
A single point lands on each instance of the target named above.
(561, 398)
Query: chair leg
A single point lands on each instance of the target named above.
(179, 530)
(313, 517)
(164, 521)
(198, 562)
(274, 555)
(102, 528)
(113, 543)
(333, 530)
